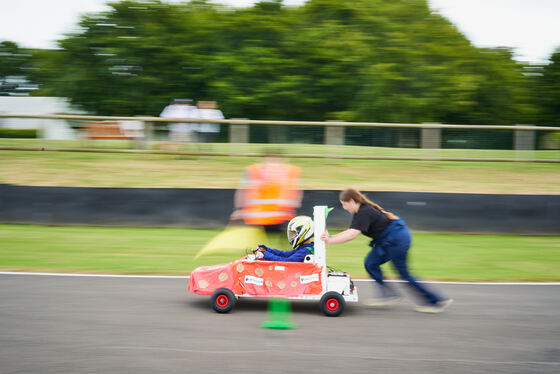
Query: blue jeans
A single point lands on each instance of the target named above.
(393, 245)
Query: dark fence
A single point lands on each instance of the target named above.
(210, 208)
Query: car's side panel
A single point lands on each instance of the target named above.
(273, 278)
(259, 278)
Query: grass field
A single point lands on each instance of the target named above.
(161, 170)
(171, 251)
(286, 148)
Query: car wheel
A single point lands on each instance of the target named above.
(222, 300)
(332, 304)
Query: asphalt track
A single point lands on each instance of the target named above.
(55, 324)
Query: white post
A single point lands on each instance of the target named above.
(319, 221)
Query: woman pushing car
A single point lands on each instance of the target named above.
(390, 242)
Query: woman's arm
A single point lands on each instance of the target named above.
(343, 237)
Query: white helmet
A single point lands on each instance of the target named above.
(299, 230)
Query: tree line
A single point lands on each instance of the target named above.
(360, 60)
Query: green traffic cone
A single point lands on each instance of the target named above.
(278, 315)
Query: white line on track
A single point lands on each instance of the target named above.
(187, 277)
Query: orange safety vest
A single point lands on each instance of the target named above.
(271, 194)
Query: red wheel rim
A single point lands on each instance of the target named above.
(222, 301)
(332, 305)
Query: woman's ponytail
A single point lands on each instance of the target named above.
(358, 197)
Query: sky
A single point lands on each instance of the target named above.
(530, 27)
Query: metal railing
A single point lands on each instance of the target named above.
(432, 141)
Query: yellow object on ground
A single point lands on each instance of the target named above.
(234, 239)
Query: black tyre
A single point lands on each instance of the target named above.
(222, 300)
(332, 304)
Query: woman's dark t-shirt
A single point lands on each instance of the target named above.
(370, 221)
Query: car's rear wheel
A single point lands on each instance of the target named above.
(222, 300)
(332, 304)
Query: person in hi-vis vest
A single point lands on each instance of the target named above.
(269, 195)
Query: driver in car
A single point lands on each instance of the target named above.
(300, 236)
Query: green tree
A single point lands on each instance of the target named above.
(548, 92)
(134, 58)
(15, 67)
(361, 60)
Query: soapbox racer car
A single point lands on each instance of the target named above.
(248, 277)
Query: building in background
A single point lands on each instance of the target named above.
(37, 105)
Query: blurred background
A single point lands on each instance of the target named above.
(364, 61)
(179, 98)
